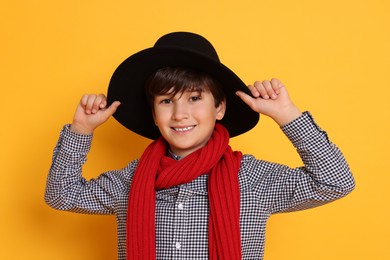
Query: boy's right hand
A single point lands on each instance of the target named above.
(92, 112)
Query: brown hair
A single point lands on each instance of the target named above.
(181, 79)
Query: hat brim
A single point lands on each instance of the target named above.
(128, 81)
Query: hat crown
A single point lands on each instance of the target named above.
(190, 42)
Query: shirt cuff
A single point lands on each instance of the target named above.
(75, 142)
(301, 128)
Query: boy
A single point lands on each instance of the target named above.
(190, 196)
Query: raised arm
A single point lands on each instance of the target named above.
(66, 189)
(325, 175)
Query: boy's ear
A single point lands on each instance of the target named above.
(221, 110)
(154, 118)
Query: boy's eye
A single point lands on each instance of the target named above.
(195, 98)
(166, 101)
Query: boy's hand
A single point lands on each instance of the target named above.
(91, 112)
(271, 99)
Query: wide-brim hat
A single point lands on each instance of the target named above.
(178, 49)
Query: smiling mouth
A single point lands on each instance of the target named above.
(183, 129)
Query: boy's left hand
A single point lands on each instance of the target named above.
(271, 99)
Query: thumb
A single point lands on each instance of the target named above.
(250, 101)
(112, 108)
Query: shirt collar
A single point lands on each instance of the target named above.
(173, 156)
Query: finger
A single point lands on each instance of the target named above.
(103, 103)
(276, 85)
(253, 91)
(99, 103)
(269, 89)
(90, 103)
(84, 101)
(261, 89)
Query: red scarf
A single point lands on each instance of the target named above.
(156, 171)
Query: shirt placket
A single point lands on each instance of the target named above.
(181, 223)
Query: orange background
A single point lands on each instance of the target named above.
(332, 55)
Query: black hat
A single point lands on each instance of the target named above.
(178, 49)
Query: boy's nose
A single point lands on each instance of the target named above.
(180, 112)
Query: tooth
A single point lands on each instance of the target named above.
(183, 129)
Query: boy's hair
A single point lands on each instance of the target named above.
(174, 80)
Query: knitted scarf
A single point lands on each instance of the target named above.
(156, 171)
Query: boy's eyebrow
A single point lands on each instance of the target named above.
(193, 90)
(174, 93)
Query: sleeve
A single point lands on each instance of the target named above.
(66, 189)
(324, 177)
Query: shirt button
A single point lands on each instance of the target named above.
(178, 245)
(180, 206)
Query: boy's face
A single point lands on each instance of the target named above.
(187, 119)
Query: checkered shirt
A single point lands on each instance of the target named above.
(182, 212)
